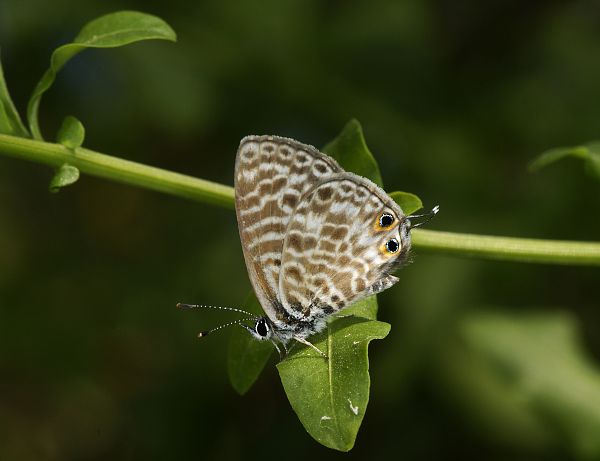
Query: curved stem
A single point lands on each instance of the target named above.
(125, 171)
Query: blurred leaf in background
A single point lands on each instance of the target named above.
(589, 153)
(526, 379)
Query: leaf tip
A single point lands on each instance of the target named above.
(71, 133)
(65, 176)
(409, 203)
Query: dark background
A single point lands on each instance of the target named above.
(455, 98)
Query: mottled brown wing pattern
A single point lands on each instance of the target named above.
(271, 175)
(335, 248)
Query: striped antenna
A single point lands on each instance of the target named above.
(427, 216)
(221, 308)
(202, 334)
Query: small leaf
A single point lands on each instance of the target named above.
(108, 31)
(124, 27)
(10, 121)
(247, 356)
(330, 396)
(590, 153)
(65, 175)
(71, 133)
(407, 201)
(351, 151)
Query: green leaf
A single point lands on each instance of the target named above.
(407, 201)
(71, 133)
(330, 396)
(366, 309)
(590, 153)
(10, 121)
(247, 357)
(351, 151)
(109, 31)
(65, 175)
(546, 386)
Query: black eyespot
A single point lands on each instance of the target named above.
(386, 220)
(262, 328)
(392, 245)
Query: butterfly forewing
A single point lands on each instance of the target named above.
(271, 176)
(334, 251)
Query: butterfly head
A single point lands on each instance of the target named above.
(396, 239)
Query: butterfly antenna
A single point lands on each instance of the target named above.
(427, 217)
(221, 308)
(202, 334)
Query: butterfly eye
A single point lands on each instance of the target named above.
(386, 220)
(392, 245)
(262, 328)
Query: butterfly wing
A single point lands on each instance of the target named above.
(271, 175)
(335, 250)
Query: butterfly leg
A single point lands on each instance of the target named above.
(308, 343)
(281, 356)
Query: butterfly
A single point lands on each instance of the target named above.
(315, 238)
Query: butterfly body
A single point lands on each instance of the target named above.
(315, 238)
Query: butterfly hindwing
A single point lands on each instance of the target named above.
(335, 248)
(271, 175)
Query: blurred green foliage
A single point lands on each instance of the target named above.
(455, 99)
(590, 154)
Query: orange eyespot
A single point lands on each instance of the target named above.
(392, 245)
(386, 220)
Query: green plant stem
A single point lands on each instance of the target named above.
(116, 169)
(125, 171)
(508, 248)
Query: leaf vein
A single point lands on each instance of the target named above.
(98, 37)
(330, 373)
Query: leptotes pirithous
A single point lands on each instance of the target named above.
(315, 238)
